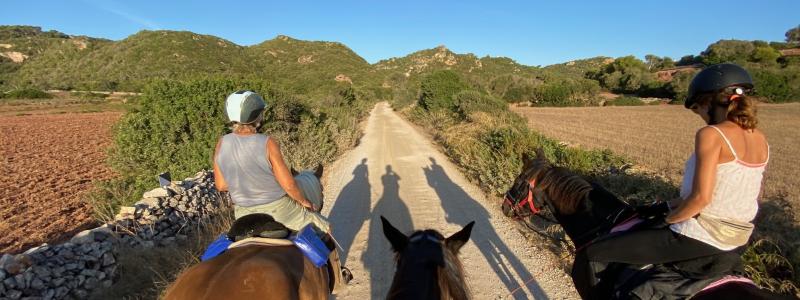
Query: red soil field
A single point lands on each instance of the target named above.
(47, 163)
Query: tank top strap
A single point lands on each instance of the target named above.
(726, 141)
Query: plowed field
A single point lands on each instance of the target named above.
(47, 163)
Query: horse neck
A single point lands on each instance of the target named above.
(415, 281)
(600, 206)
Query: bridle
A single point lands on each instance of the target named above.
(529, 201)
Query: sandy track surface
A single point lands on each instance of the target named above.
(396, 172)
(47, 162)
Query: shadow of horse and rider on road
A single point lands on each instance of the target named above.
(352, 209)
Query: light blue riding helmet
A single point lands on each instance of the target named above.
(244, 106)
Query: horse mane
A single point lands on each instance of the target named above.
(566, 190)
(451, 277)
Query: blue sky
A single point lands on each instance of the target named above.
(530, 32)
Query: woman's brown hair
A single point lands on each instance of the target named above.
(741, 109)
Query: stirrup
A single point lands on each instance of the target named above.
(346, 275)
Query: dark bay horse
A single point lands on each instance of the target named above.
(259, 271)
(586, 212)
(427, 264)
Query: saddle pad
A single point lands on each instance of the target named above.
(261, 241)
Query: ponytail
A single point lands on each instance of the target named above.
(742, 111)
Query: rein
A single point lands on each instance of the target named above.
(530, 199)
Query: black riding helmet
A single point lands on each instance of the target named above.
(715, 78)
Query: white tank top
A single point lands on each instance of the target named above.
(735, 194)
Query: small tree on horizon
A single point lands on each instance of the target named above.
(793, 35)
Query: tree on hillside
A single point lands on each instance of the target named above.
(655, 63)
(626, 75)
(728, 51)
(437, 89)
(793, 35)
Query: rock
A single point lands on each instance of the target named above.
(90, 283)
(176, 189)
(10, 264)
(148, 244)
(14, 294)
(2, 288)
(102, 233)
(61, 292)
(57, 282)
(42, 271)
(10, 283)
(42, 248)
(71, 266)
(20, 280)
(49, 294)
(83, 237)
(80, 293)
(107, 283)
(58, 271)
(3, 274)
(36, 283)
(156, 193)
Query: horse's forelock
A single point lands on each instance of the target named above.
(451, 277)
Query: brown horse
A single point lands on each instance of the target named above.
(258, 271)
(427, 264)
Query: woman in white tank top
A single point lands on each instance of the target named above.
(722, 183)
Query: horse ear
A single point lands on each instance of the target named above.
(458, 239)
(318, 171)
(395, 237)
(540, 153)
(294, 172)
(526, 158)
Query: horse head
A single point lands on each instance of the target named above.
(558, 195)
(309, 183)
(427, 263)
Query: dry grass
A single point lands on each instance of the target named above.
(146, 273)
(661, 138)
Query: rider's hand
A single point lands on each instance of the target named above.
(307, 204)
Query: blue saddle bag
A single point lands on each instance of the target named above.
(216, 247)
(311, 245)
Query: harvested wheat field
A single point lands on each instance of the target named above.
(660, 138)
(48, 162)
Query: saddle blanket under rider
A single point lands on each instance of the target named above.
(306, 240)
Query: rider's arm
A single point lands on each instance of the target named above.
(219, 181)
(707, 149)
(284, 176)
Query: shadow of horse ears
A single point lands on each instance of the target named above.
(458, 239)
(318, 171)
(397, 239)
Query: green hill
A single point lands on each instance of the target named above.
(30, 57)
(304, 66)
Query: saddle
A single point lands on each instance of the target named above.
(257, 226)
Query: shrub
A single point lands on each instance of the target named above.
(27, 94)
(777, 85)
(178, 124)
(438, 88)
(728, 51)
(468, 102)
(625, 101)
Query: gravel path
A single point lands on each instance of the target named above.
(397, 172)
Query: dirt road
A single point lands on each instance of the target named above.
(396, 172)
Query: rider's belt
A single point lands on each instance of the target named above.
(726, 231)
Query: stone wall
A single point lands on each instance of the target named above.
(71, 270)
